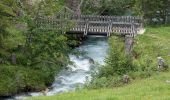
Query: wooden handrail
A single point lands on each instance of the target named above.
(93, 23)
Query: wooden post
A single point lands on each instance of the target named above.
(13, 58)
(133, 30)
(109, 28)
(128, 44)
(86, 27)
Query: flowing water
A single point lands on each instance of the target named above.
(95, 49)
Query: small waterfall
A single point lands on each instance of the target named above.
(95, 49)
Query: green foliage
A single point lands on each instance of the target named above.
(47, 47)
(40, 55)
(104, 82)
(15, 38)
(7, 12)
(107, 7)
(49, 7)
(7, 84)
(117, 64)
(154, 11)
(146, 49)
(16, 79)
(155, 41)
(40, 7)
(98, 83)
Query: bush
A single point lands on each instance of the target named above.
(40, 55)
(117, 64)
(105, 82)
(98, 83)
(15, 79)
(8, 85)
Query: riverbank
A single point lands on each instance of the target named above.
(73, 75)
(147, 83)
(153, 88)
(33, 68)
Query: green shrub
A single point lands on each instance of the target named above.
(105, 82)
(98, 83)
(8, 85)
(40, 55)
(15, 79)
(117, 64)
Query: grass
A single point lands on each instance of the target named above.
(154, 88)
(155, 42)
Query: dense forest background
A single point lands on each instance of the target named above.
(154, 11)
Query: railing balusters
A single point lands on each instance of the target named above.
(92, 23)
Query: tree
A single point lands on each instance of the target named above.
(8, 10)
(40, 58)
(117, 62)
(153, 10)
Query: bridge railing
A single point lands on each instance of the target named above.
(92, 23)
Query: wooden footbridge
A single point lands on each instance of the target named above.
(67, 21)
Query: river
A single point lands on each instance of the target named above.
(79, 72)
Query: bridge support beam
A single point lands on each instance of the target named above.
(109, 28)
(128, 44)
(86, 27)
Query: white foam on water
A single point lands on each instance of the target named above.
(69, 80)
(96, 49)
(79, 63)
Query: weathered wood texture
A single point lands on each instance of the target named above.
(13, 58)
(128, 44)
(121, 25)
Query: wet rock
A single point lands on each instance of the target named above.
(161, 64)
(44, 92)
(126, 79)
(91, 61)
(58, 81)
(168, 81)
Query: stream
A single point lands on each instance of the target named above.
(95, 48)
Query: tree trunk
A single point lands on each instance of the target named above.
(128, 44)
(75, 5)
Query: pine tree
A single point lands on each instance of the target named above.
(7, 12)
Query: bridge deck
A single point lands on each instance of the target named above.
(89, 24)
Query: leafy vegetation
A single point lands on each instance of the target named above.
(154, 12)
(117, 65)
(142, 64)
(6, 15)
(152, 44)
(39, 55)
